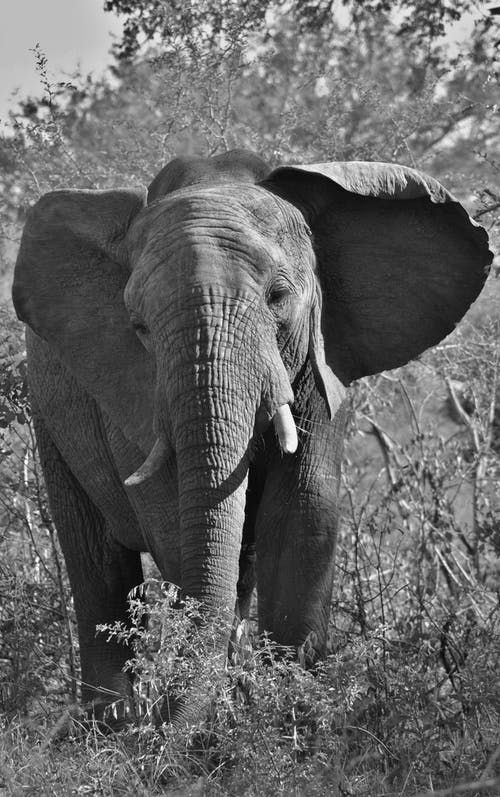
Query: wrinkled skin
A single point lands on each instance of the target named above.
(186, 322)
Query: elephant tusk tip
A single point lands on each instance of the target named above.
(132, 480)
(290, 446)
(151, 465)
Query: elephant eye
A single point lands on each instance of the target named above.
(278, 294)
(139, 326)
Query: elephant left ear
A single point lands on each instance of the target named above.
(399, 260)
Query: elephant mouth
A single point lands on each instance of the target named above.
(284, 426)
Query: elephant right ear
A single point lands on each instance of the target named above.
(69, 279)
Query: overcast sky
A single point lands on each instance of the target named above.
(68, 31)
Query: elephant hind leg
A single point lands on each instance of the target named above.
(101, 574)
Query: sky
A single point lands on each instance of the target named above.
(71, 33)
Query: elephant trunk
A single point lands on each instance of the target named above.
(215, 379)
(212, 506)
(222, 378)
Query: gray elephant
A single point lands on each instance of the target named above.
(188, 352)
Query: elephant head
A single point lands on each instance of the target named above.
(198, 313)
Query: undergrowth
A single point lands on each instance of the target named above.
(379, 716)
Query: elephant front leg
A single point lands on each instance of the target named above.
(101, 574)
(296, 533)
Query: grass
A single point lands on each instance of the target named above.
(383, 715)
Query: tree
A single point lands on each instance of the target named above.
(293, 80)
(206, 22)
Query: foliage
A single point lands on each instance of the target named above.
(277, 728)
(380, 715)
(334, 90)
(210, 23)
(193, 663)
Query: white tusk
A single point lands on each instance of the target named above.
(150, 465)
(285, 429)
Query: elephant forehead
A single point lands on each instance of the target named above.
(230, 216)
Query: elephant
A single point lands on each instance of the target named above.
(189, 350)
